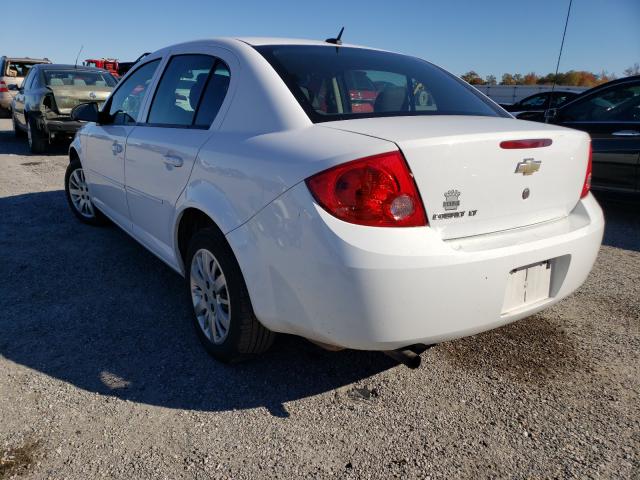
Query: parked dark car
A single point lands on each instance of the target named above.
(42, 108)
(540, 101)
(610, 113)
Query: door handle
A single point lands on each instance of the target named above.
(116, 148)
(173, 160)
(626, 133)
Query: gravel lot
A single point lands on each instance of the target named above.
(101, 374)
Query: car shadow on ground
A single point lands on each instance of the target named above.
(91, 307)
(622, 216)
(12, 145)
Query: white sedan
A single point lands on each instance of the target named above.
(355, 197)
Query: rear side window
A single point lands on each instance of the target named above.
(190, 92)
(18, 69)
(338, 83)
(214, 95)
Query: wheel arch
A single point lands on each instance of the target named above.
(191, 220)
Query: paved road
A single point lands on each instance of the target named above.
(101, 374)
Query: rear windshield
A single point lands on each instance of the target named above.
(18, 69)
(344, 82)
(78, 78)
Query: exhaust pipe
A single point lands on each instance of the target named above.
(405, 356)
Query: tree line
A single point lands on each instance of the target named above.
(577, 78)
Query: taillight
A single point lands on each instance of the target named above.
(377, 191)
(3, 87)
(586, 187)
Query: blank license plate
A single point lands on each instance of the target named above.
(527, 285)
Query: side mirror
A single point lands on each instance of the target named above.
(85, 112)
(13, 87)
(550, 115)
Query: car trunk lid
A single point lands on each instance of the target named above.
(469, 184)
(67, 97)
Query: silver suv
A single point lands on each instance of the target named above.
(12, 73)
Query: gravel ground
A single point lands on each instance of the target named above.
(101, 374)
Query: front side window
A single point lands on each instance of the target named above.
(340, 83)
(535, 101)
(126, 101)
(619, 103)
(190, 92)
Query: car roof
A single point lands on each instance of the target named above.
(26, 59)
(258, 42)
(263, 41)
(62, 66)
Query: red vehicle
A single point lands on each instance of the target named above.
(108, 64)
(362, 92)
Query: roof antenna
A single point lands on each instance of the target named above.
(555, 77)
(78, 56)
(337, 40)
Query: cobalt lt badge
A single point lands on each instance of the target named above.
(451, 201)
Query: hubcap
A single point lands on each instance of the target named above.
(29, 136)
(79, 193)
(210, 296)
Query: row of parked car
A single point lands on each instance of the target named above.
(39, 96)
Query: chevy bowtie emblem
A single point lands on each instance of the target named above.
(528, 166)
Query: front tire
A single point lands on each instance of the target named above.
(38, 140)
(16, 129)
(222, 312)
(77, 193)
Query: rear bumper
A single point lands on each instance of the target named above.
(63, 126)
(5, 100)
(378, 289)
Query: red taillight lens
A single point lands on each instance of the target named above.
(587, 178)
(3, 87)
(528, 143)
(377, 191)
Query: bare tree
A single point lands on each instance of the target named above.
(632, 70)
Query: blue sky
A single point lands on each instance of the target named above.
(490, 37)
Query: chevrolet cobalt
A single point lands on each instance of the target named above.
(251, 167)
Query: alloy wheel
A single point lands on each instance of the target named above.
(79, 193)
(210, 296)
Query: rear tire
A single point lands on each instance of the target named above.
(38, 140)
(222, 313)
(77, 192)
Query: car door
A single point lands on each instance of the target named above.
(103, 160)
(612, 117)
(161, 150)
(19, 98)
